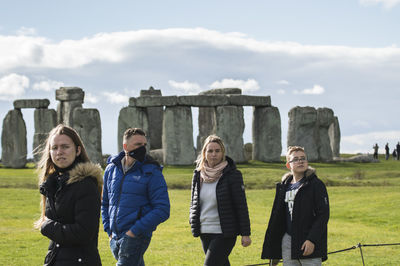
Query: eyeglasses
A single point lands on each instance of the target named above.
(298, 160)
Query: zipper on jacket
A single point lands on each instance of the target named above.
(117, 206)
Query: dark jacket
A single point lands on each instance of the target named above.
(137, 200)
(309, 222)
(73, 212)
(231, 201)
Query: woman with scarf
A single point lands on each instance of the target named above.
(71, 193)
(218, 209)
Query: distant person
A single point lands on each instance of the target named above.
(71, 192)
(387, 151)
(218, 207)
(375, 147)
(297, 228)
(135, 199)
(398, 150)
(394, 154)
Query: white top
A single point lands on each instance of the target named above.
(209, 217)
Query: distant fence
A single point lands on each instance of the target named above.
(359, 245)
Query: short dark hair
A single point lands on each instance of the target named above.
(131, 132)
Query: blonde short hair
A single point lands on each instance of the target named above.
(292, 149)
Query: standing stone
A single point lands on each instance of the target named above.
(334, 137)
(88, 125)
(324, 120)
(230, 127)
(70, 98)
(178, 136)
(132, 117)
(303, 131)
(207, 118)
(155, 117)
(13, 140)
(207, 125)
(248, 151)
(267, 145)
(45, 121)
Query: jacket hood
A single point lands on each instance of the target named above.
(231, 164)
(88, 169)
(307, 174)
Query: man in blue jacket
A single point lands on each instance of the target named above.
(135, 199)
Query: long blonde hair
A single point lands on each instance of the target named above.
(201, 159)
(45, 165)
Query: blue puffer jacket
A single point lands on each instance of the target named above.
(137, 201)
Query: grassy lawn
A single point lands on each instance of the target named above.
(364, 199)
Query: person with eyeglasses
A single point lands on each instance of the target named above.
(298, 226)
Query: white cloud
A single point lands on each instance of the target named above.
(90, 98)
(47, 85)
(26, 31)
(249, 85)
(186, 86)
(115, 97)
(283, 82)
(388, 4)
(13, 86)
(281, 91)
(316, 90)
(364, 142)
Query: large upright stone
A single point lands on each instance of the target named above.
(13, 140)
(132, 117)
(207, 118)
(88, 125)
(303, 131)
(325, 119)
(45, 121)
(155, 117)
(267, 145)
(70, 98)
(230, 127)
(334, 137)
(178, 136)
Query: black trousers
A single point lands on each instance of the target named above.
(217, 249)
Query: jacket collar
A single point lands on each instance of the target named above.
(308, 174)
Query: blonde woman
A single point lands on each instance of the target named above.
(218, 209)
(71, 193)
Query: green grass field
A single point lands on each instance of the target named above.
(364, 202)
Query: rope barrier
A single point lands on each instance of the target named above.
(359, 245)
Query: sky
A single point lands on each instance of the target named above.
(343, 55)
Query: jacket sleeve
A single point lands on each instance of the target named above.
(86, 216)
(159, 201)
(105, 204)
(240, 203)
(321, 210)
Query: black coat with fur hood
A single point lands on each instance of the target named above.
(309, 222)
(73, 212)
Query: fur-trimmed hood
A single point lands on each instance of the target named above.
(308, 173)
(88, 169)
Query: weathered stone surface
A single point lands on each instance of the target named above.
(13, 140)
(248, 151)
(303, 130)
(178, 136)
(207, 125)
(70, 94)
(267, 145)
(324, 120)
(203, 100)
(249, 100)
(45, 121)
(88, 125)
(222, 91)
(334, 137)
(361, 158)
(132, 117)
(151, 101)
(155, 117)
(31, 103)
(70, 98)
(230, 127)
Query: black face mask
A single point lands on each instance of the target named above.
(139, 153)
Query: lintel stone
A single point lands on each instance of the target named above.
(70, 94)
(203, 100)
(249, 100)
(151, 101)
(31, 103)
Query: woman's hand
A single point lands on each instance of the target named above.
(246, 241)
